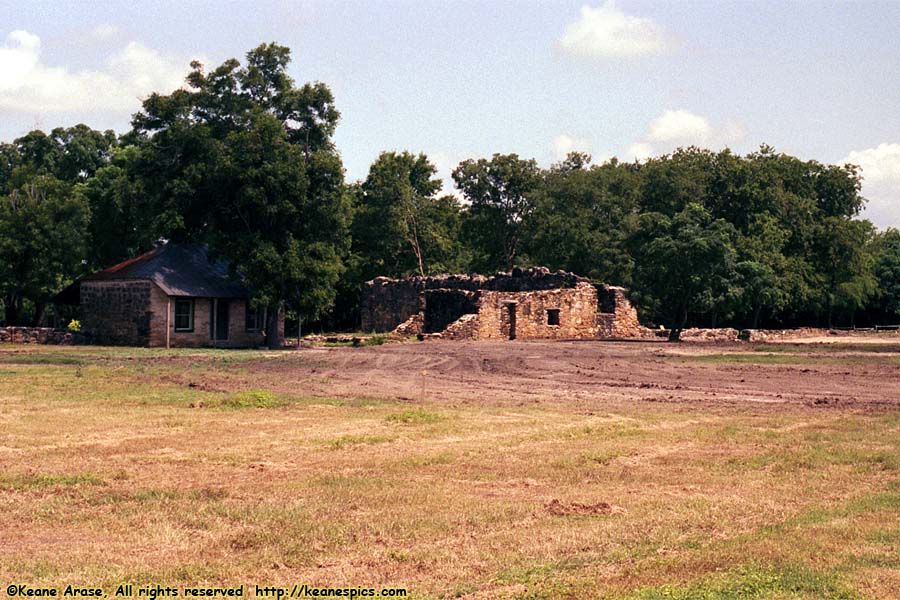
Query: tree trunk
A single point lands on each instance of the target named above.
(677, 325)
(756, 310)
(40, 313)
(273, 336)
(13, 305)
(417, 248)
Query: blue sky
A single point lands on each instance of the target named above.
(466, 79)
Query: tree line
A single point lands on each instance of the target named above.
(243, 159)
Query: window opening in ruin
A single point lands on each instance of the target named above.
(552, 316)
(511, 309)
(184, 315)
(606, 301)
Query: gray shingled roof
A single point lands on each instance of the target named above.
(179, 270)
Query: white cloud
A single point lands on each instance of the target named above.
(639, 151)
(680, 126)
(563, 144)
(104, 31)
(607, 32)
(881, 182)
(445, 163)
(28, 85)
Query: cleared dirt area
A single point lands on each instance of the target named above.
(474, 470)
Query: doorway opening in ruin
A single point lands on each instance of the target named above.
(552, 316)
(511, 309)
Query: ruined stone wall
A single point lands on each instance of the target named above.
(577, 313)
(116, 312)
(585, 310)
(35, 335)
(464, 328)
(443, 307)
(386, 303)
(622, 322)
(518, 280)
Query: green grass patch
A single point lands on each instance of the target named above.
(751, 582)
(787, 358)
(756, 359)
(414, 416)
(38, 481)
(826, 348)
(346, 441)
(40, 359)
(441, 458)
(249, 399)
(884, 537)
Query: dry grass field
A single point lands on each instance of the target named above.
(458, 470)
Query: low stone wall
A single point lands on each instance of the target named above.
(412, 326)
(719, 334)
(464, 328)
(35, 335)
(786, 335)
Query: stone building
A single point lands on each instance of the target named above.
(172, 296)
(534, 303)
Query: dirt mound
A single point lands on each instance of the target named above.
(565, 509)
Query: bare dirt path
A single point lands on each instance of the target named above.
(587, 373)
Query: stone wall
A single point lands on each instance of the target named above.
(116, 312)
(584, 310)
(35, 335)
(622, 322)
(464, 328)
(577, 313)
(386, 303)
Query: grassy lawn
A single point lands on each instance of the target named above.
(151, 466)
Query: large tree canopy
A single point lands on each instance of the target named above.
(242, 158)
(402, 226)
(244, 161)
(499, 195)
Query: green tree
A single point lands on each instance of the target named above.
(499, 195)
(766, 279)
(396, 216)
(846, 265)
(580, 219)
(43, 235)
(244, 161)
(887, 270)
(671, 182)
(683, 264)
(119, 226)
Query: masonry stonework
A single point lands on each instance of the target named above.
(617, 317)
(533, 303)
(524, 315)
(116, 312)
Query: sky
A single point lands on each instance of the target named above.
(465, 79)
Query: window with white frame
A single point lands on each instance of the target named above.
(184, 314)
